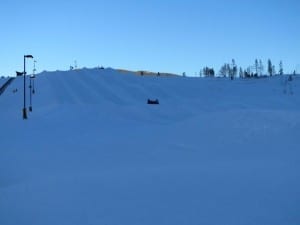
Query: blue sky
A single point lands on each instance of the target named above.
(168, 36)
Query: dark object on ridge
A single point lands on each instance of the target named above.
(19, 73)
(153, 102)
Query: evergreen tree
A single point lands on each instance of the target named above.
(208, 72)
(227, 69)
(241, 73)
(223, 70)
(256, 66)
(212, 72)
(280, 68)
(200, 73)
(273, 70)
(230, 70)
(204, 71)
(270, 68)
(248, 71)
(261, 68)
(234, 69)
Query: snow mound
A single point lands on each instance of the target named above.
(214, 151)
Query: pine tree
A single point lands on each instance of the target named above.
(234, 69)
(223, 71)
(280, 68)
(273, 70)
(256, 66)
(261, 68)
(228, 69)
(270, 68)
(248, 71)
(212, 72)
(241, 73)
(208, 72)
(204, 71)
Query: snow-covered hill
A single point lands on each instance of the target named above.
(214, 151)
(2, 81)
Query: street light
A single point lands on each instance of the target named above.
(24, 74)
(30, 94)
(30, 86)
(34, 70)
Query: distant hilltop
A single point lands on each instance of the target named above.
(146, 73)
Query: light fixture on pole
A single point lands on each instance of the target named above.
(19, 74)
(24, 74)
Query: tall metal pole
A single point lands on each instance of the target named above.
(30, 94)
(24, 73)
(33, 90)
(24, 108)
(30, 86)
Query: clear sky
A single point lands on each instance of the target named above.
(158, 35)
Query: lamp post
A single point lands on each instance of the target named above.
(24, 74)
(30, 86)
(34, 70)
(30, 95)
(33, 90)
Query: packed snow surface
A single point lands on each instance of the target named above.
(2, 81)
(92, 152)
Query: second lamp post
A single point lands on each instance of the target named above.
(24, 74)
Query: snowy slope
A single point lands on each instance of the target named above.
(93, 152)
(2, 81)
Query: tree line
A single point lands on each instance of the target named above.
(232, 71)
